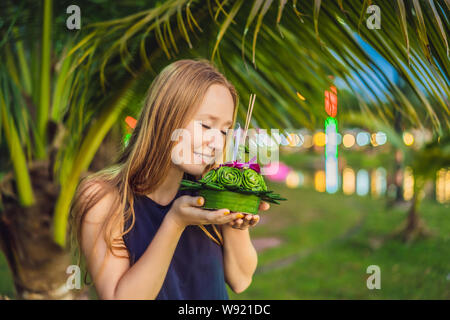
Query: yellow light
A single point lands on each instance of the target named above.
(443, 186)
(373, 139)
(348, 140)
(408, 138)
(320, 139)
(320, 181)
(348, 181)
(408, 184)
(308, 141)
(440, 186)
(293, 139)
(300, 96)
(447, 186)
(292, 179)
(374, 184)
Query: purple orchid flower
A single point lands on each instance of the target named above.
(236, 164)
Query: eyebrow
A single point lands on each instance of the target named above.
(216, 118)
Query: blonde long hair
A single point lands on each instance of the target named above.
(170, 103)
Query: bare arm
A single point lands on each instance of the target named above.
(117, 280)
(240, 257)
(143, 280)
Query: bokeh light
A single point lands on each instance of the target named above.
(339, 138)
(348, 140)
(307, 141)
(443, 185)
(280, 170)
(378, 182)
(283, 140)
(380, 138)
(408, 138)
(294, 179)
(348, 181)
(362, 182)
(293, 139)
(373, 139)
(301, 140)
(408, 184)
(319, 181)
(362, 138)
(320, 139)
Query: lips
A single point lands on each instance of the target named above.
(204, 157)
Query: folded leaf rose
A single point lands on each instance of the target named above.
(210, 176)
(229, 177)
(236, 186)
(251, 180)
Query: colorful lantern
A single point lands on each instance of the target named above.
(331, 101)
(331, 159)
(131, 124)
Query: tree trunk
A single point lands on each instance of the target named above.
(415, 227)
(398, 166)
(37, 263)
(412, 221)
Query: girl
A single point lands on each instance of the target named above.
(141, 236)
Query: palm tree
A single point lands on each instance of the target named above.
(57, 111)
(425, 164)
(38, 82)
(424, 161)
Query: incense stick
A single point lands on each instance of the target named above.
(249, 113)
(248, 110)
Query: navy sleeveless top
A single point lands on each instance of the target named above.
(196, 271)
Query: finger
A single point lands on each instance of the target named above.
(264, 206)
(194, 201)
(255, 220)
(238, 223)
(203, 215)
(200, 212)
(223, 216)
(246, 221)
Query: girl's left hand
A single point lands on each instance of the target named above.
(249, 220)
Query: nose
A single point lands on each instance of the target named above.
(214, 139)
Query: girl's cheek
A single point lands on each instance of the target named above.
(197, 141)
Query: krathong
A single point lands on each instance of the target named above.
(235, 185)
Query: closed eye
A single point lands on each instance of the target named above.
(208, 127)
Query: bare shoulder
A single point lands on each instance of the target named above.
(105, 261)
(102, 205)
(100, 200)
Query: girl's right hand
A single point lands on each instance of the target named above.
(186, 210)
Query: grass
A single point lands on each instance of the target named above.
(331, 240)
(334, 260)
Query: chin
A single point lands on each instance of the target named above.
(194, 169)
